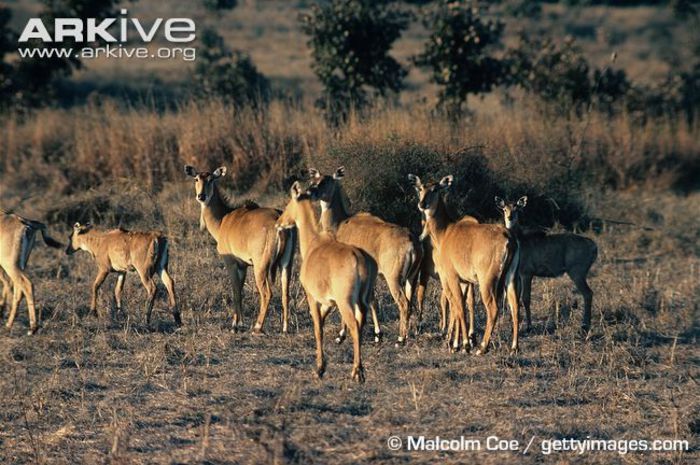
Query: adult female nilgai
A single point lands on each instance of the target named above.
(469, 252)
(550, 256)
(245, 236)
(397, 252)
(332, 274)
(119, 251)
(17, 236)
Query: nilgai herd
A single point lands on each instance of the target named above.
(341, 255)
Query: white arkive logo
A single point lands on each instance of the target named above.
(175, 30)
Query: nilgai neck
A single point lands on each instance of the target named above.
(308, 227)
(336, 211)
(213, 213)
(438, 222)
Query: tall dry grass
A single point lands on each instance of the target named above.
(68, 151)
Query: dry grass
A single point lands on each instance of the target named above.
(87, 391)
(70, 150)
(83, 391)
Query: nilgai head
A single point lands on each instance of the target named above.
(429, 193)
(324, 187)
(290, 215)
(75, 240)
(204, 182)
(511, 210)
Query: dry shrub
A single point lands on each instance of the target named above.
(510, 152)
(123, 204)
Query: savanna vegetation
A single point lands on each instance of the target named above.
(589, 108)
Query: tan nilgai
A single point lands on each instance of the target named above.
(469, 252)
(396, 251)
(17, 238)
(550, 256)
(119, 251)
(332, 274)
(246, 236)
(428, 271)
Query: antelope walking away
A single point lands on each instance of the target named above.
(349, 231)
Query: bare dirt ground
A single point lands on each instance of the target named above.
(83, 391)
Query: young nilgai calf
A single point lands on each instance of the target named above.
(332, 274)
(119, 251)
(17, 236)
(550, 256)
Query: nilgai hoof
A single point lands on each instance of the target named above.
(481, 350)
(320, 371)
(358, 375)
(339, 339)
(401, 341)
(378, 337)
(257, 332)
(514, 351)
(32, 331)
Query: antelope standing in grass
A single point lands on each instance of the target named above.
(17, 237)
(332, 274)
(395, 250)
(119, 251)
(428, 271)
(550, 256)
(469, 252)
(246, 236)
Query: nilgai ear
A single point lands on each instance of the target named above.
(522, 201)
(339, 173)
(500, 203)
(76, 225)
(415, 180)
(314, 173)
(295, 190)
(220, 171)
(190, 170)
(447, 181)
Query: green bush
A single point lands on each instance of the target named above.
(458, 52)
(228, 74)
(350, 42)
(556, 73)
(560, 74)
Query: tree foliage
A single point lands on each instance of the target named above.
(458, 51)
(559, 73)
(350, 42)
(29, 81)
(7, 40)
(228, 74)
(218, 5)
